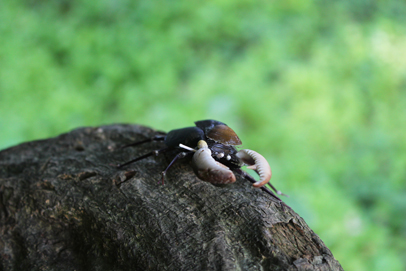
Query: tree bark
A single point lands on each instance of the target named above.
(65, 206)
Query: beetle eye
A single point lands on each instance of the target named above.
(220, 155)
(224, 134)
(228, 157)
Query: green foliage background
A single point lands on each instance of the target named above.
(318, 87)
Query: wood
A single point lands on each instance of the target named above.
(65, 206)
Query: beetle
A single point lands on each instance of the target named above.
(211, 146)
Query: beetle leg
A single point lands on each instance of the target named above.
(178, 156)
(277, 191)
(155, 138)
(273, 187)
(258, 163)
(156, 153)
(252, 180)
(208, 169)
(274, 198)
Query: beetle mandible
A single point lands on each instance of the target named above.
(211, 145)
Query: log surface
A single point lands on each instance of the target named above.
(65, 206)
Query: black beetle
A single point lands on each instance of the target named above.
(211, 144)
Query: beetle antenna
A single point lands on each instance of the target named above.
(155, 138)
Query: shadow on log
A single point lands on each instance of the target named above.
(63, 206)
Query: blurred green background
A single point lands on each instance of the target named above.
(317, 87)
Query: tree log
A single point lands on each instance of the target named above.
(65, 206)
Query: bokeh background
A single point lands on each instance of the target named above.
(318, 87)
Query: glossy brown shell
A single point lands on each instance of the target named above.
(224, 134)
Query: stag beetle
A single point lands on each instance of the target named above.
(215, 159)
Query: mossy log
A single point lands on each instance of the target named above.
(65, 206)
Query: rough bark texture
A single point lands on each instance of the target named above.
(63, 206)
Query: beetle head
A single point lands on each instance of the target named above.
(225, 154)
